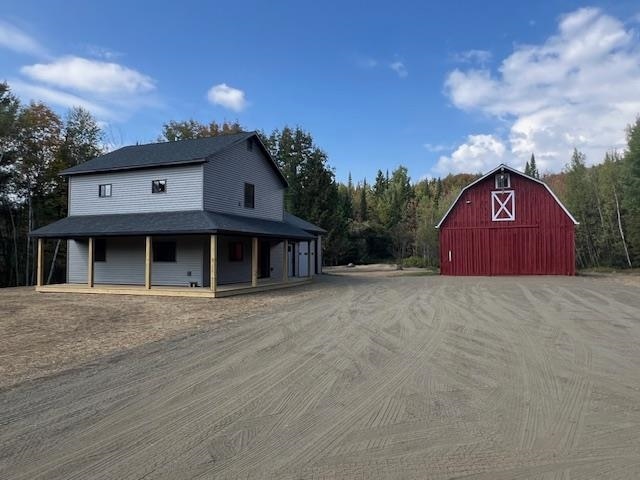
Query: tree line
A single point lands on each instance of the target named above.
(390, 218)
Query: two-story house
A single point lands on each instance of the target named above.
(193, 217)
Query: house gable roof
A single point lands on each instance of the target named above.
(502, 167)
(165, 154)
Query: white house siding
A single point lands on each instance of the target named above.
(131, 191)
(225, 176)
(124, 263)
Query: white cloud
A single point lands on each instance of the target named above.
(227, 97)
(479, 153)
(579, 88)
(399, 68)
(57, 97)
(473, 56)
(15, 39)
(93, 76)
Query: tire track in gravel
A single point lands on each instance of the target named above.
(406, 377)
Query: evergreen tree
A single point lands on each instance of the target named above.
(533, 169)
(363, 202)
(631, 201)
(187, 129)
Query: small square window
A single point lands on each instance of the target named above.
(159, 186)
(503, 180)
(249, 195)
(100, 250)
(164, 251)
(236, 251)
(104, 190)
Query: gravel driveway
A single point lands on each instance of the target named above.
(379, 377)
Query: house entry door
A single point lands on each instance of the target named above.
(303, 259)
(264, 259)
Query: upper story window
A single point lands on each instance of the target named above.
(503, 180)
(249, 195)
(164, 251)
(100, 250)
(104, 190)
(158, 186)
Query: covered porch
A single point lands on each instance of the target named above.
(260, 257)
(229, 290)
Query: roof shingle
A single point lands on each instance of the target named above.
(168, 223)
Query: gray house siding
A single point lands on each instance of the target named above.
(224, 178)
(131, 191)
(277, 250)
(124, 263)
(233, 272)
(76, 261)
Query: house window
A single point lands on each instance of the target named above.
(104, 190)
(159, 186)
(503, 180)
(249, 195)
(164, 251)
(100, 250)
(236, 251)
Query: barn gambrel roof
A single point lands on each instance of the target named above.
(503, 167)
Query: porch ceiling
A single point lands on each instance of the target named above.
(168, 223)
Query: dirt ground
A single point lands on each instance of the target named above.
(42, 334)
(360, 376)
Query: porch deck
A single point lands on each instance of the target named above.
(175, 291)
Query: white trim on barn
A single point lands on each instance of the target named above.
(508, 206)
(506, 167)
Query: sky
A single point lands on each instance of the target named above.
(439, 87)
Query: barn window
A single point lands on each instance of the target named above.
(503, 180)
(503, 206)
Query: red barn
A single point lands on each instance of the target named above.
(507, 223)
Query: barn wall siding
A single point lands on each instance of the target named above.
(131, 191)
(225, 175)
(540, 241)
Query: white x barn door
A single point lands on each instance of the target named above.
(503, 206)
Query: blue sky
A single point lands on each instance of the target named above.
(437, 86)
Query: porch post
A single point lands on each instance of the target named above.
(147, 262)
(285, 261)
(213, 278)
(40, 270)
(309, 258)
(90, 256)
(254, 262)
